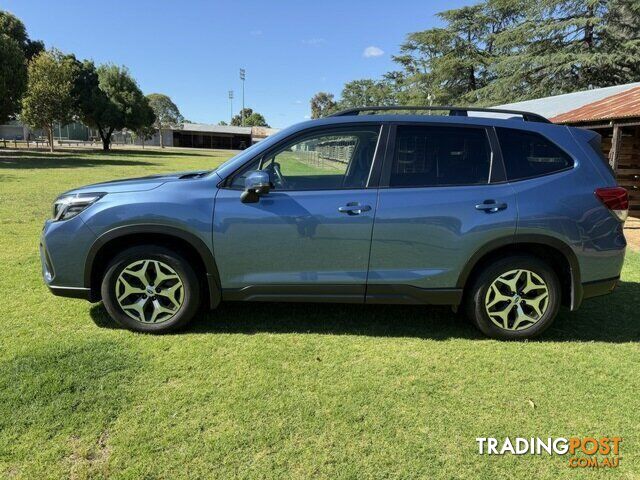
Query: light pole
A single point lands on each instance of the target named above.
(242, 76)
(230, 106)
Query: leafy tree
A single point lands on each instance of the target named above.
(366, 92)
(553, 51)
(251, 119)
(166, 113)
(49, 98)
(499, 51)
(111, 100)
(145, 132)
(448, 65)
(15, 50)
(13, 77)
(322, 104)
(222, 123)
(566, 45)
(11, 26)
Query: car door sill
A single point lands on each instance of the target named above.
(375, 294)
(409, 294)
(296, 293)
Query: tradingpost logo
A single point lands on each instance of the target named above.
(584, 452)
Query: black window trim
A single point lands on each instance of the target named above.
(555, 172)
(496, 166)
(374, 172)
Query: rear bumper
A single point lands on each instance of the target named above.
(599, 287)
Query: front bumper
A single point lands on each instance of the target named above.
(72, 292)
(63, 251)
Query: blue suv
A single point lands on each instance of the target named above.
(505, 218)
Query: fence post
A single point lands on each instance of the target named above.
(614, 153)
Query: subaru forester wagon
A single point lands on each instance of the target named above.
(505, 218)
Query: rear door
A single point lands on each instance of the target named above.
(442, 197)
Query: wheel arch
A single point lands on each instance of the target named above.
(185, 243)
(554, 251)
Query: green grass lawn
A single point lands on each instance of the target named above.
(281, 390)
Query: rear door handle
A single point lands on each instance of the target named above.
(491, 206)
(354, 208)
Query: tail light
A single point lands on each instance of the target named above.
(616, 199)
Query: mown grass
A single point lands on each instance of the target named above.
(287, 391)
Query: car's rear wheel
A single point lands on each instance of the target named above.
(150, 289)
(514, 298)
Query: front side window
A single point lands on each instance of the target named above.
(429, 156)
(529, 154)
(323, 161)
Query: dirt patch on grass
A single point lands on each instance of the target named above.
(94, 460)
(632, 233)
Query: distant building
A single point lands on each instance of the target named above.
(613, 112)
(14, 130)
(191, 135)
(200, 135)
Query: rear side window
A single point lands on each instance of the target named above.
(426, 156)
(529, 154)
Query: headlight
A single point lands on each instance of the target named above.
(68, 206)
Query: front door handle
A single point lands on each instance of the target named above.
(354, 208)
(491, 206)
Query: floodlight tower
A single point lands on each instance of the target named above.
(230, 106)
(242, 76)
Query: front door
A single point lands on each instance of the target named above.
(310, 236)
(442, 197)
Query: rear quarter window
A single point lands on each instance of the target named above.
(529, 154)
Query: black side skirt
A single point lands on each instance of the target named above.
(375, 294)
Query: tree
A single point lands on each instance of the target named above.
(109, 99)
(166, 113)
(322, 104)
(15, 50)
(222, 123)
(448, 65)
(366, 92)
(49, 98)
(11, 26)
(566, 45)
(145, 132)
(13, 77)
(251, 119)
(500, 51)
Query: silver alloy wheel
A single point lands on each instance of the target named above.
(517, 299)
(149, 291)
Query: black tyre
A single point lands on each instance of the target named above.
(150, 289)
(516, 297)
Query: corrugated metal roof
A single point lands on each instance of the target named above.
(204, 127)
(554, 106)
(622, 105)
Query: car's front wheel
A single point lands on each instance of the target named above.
(150, 289)
(516, 297)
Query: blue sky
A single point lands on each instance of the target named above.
(192, 50)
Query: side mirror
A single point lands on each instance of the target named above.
(255, 184)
